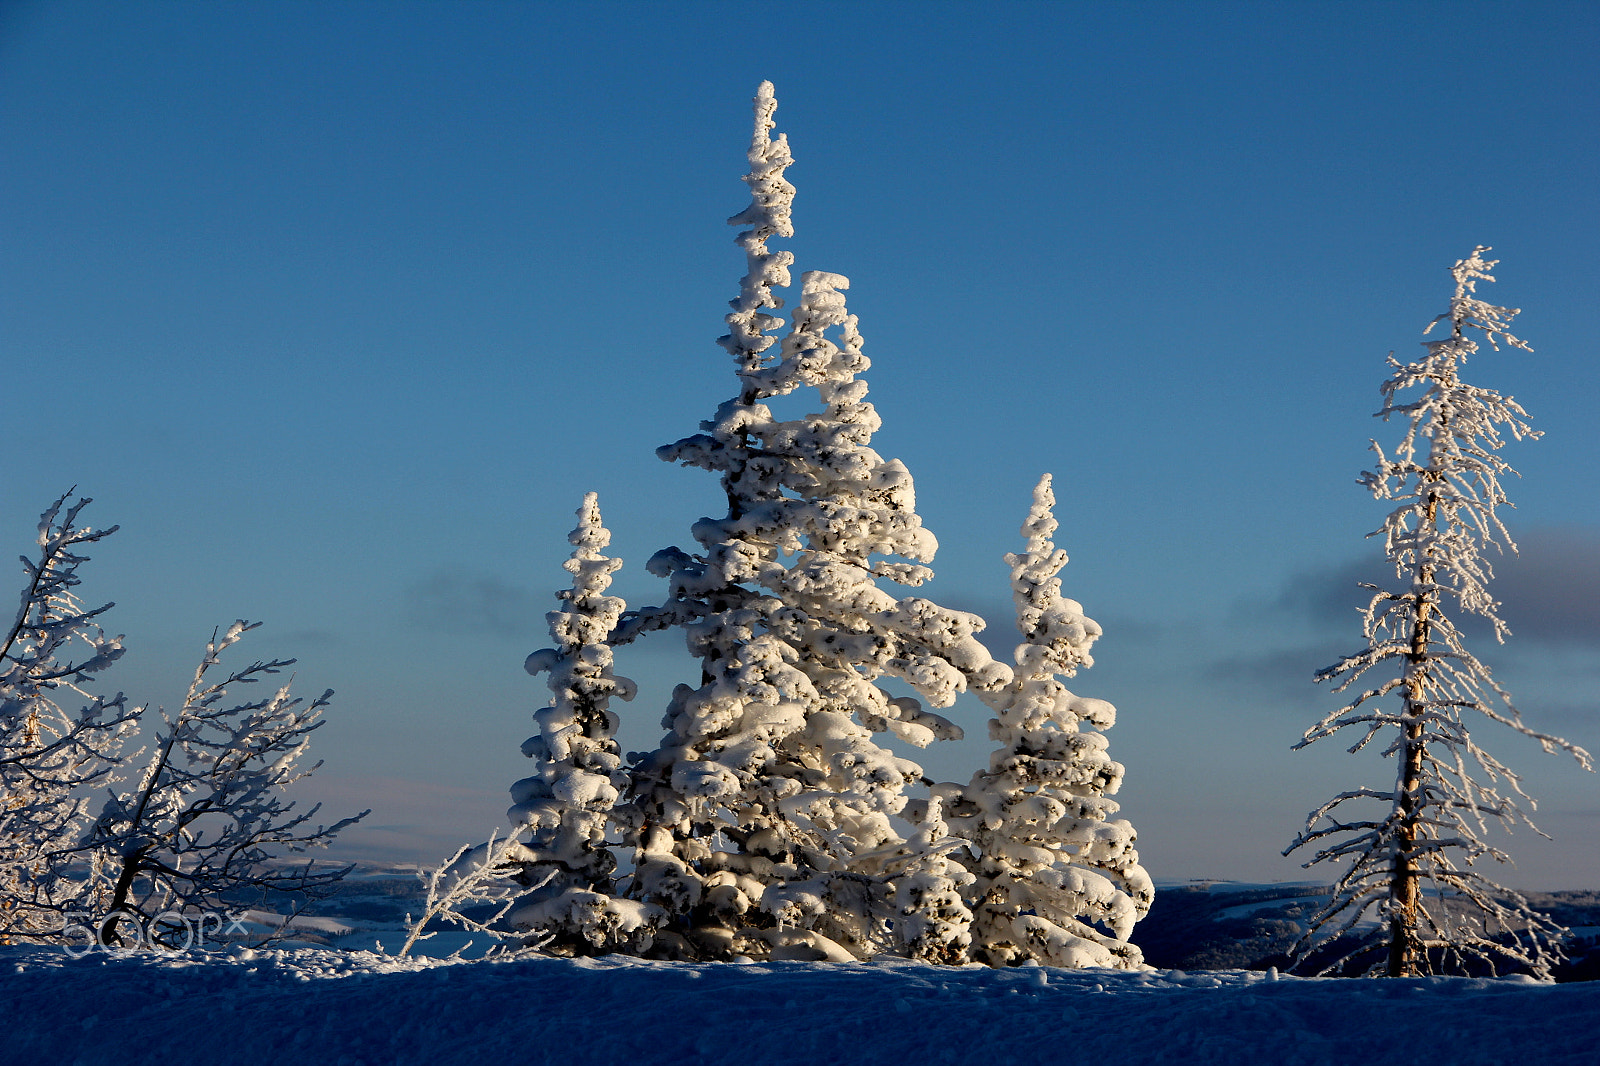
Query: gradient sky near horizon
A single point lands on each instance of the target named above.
(339, 308)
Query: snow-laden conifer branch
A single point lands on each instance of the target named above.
(931, 886)
(1413, 863)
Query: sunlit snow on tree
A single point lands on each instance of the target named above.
(771, 822)
(767, 815)
(565, 807)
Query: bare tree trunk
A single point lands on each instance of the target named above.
(131, 864)
(1404, 887)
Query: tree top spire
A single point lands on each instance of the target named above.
(1466, 310)
(768, 214)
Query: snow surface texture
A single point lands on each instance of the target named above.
(330, 1007)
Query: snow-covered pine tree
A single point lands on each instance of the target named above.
(570, 905)
(208, 820)
(765, 817)
(1057, 878)
(53, 748)
(1407, 852)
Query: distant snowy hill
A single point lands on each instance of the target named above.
(1228, 925)
(316, 1006)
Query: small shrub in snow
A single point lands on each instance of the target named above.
(471, 889)
(204, 827)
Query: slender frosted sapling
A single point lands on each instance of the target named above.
(564, 810)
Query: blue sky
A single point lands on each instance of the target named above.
(339, 308)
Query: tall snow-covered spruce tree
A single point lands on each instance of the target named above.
(766, 818)
(771, 822)
(1408, 851)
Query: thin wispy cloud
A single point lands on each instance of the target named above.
(1549, 591)
(475, 603)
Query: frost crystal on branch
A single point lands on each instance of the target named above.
(1057, 878)
(471, 889)
(1407, 853)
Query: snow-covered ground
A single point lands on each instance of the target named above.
(316, 1006)
(330, 999)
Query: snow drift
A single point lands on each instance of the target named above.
(318, 1006)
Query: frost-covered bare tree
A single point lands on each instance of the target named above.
(569, 904)
(765, 821)
(208, 818)
(1057, 878)
(57, 739)
(1407, 852)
